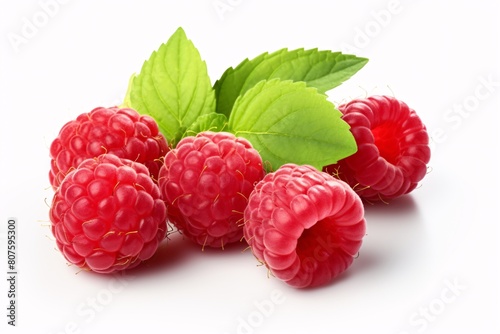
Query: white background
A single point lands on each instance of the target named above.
(440, 58)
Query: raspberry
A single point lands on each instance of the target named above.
(122, 132)
(304, 225)
(108, 215)
(206, 181)
(393, 148)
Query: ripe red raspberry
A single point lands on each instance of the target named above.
(108, 215)
(206, 181)
(393, 148)
(122, 132)
(304, 225)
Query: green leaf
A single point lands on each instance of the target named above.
(209, 122)
(126, 101)
(231, 84)
(323, 70)
(173, 87)
(289, 122)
